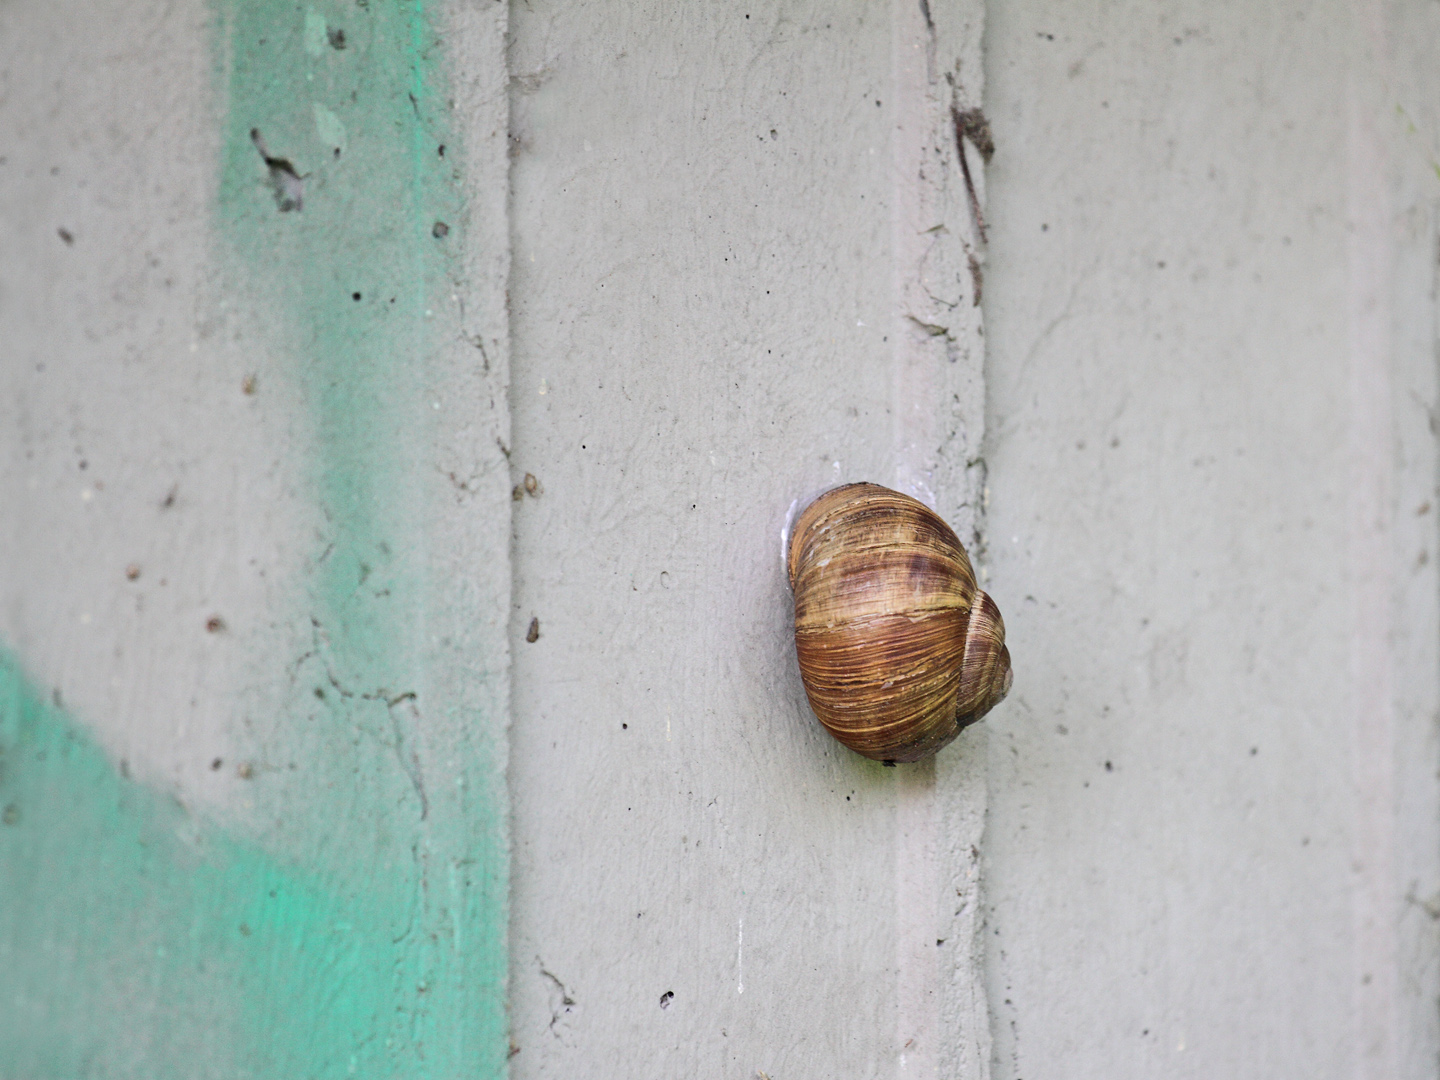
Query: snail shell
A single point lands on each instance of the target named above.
(898, 649)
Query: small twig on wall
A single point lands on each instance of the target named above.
(972, 125)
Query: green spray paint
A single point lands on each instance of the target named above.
(138, 941)
(353, 287)
(359, 926)
(347, 286)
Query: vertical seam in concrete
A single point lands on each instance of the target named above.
(935, 415)
(1372, 677)
(916, 869)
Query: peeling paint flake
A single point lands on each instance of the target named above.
(316, 35)
(329, 128)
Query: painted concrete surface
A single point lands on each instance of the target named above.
(263, 505)
(1211, 371)
(740, 276)
(254, 678)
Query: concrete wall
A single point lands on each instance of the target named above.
(396, 677)
(741, 274)
(255, 516)
(1211, 380)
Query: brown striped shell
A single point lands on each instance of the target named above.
(898, 649)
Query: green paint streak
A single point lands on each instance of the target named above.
(360, 928)
(354, 291)
(138, 941)
(364, 231)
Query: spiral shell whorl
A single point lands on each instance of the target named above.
(897, 647)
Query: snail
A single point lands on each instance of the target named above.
(898, 648)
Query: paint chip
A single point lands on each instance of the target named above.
(329, 128)
(316, 37)
(287, 184)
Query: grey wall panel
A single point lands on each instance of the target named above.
(741, 275)
(1211, 369)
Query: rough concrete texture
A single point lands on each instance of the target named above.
(264, 509)
(252, 693)
(1211, 375)
(741, 274)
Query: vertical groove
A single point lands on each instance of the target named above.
(1371, 428)
(937, 423)
(916, 872)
